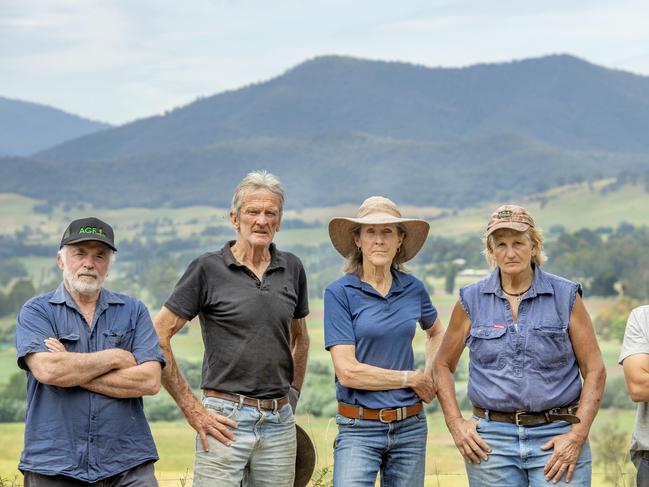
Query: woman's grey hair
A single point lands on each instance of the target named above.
(255, 181)
(533, 234)
(63, 253)
(354, 261)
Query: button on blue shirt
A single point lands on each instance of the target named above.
(72, 431)
(528, 366)
(381, 328)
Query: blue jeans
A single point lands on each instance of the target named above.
(264, 448)
(364, 447)
(516, 458)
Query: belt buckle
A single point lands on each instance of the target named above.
(386, 410)
(517, 417)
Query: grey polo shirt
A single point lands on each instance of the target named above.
(245, 322)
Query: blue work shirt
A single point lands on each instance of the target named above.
(381, 329)
(528, 366)
(70, 430)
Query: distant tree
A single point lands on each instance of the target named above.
(20, 292)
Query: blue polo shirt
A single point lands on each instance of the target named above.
(381, 328)
(72, 431)
(525, 366)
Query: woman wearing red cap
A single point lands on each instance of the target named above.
(530, 338)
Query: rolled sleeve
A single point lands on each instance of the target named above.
(33, 326)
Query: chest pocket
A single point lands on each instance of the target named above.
(551, 346)
(488, 346)
(119, 338)
(70, 341)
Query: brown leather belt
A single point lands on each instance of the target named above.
(523, 418)
(273, 404)
(385, 415)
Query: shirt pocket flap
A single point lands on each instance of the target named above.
(487, 332)
(69, 337)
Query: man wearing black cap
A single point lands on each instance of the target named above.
(90, 355)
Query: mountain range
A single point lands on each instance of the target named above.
(26, 128)
(337, 129)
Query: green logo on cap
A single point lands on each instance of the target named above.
(95, 230)
(504, 214)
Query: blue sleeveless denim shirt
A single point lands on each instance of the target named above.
(528, 367)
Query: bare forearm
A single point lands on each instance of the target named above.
(589, 401)
(446, 393)
(371, 378)
(300, 354)
(175, 384)
(141, 380)
(433, 341)
(69, 369)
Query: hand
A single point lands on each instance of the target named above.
(422, 384)
(465, 435)
(206, 422)
(123, 359)
(567, 448)
(293, 396)
(53, 345)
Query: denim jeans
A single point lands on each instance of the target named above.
(642, 479)
(364, 447)
(264, 448)
(516, 458)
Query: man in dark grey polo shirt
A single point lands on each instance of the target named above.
(251, 300)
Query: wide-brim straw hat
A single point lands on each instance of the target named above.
(377, 210)
(305, 458)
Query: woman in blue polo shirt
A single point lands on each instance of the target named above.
(530, 338)
(370, 320)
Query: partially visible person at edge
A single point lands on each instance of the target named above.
(529, 337)
(634, 358)
(251, 300)
(370, 318)
(90, 355)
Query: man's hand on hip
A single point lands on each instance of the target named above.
(206, 422)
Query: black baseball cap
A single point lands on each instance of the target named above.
(90, 228)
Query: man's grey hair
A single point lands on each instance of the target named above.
(255, 181)
(63, 253)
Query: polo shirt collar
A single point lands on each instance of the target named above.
(352, 280)
(277, 259)
(540, 284)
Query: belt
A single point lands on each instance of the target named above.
(273, 404)
(523, 418)
(644, 454)
(385, 415)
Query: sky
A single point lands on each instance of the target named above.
(120, 60)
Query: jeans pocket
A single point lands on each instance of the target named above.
(421, 415)
(345, 421)
(221, 407)
(285, 415)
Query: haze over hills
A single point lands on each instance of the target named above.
(27, 127)
(337, 129)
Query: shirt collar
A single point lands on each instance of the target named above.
(352, 280)
(277, 260)
(540, 284)
(62, 295)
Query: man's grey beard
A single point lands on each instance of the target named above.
(81, 286)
